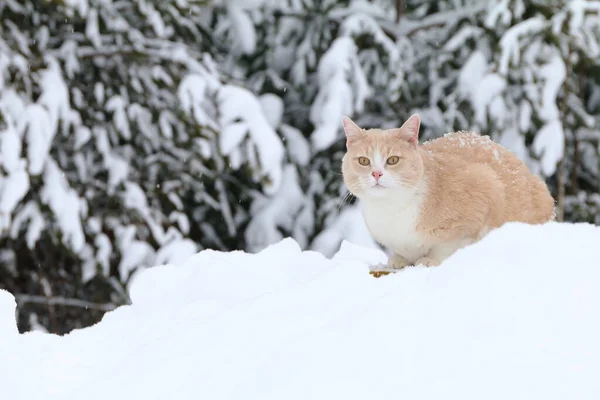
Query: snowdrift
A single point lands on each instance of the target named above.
(515, 316)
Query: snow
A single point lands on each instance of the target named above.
(117, 105)
(343, 91)
(273, 108)
(499, 12)
(12, 190)
(191, 92)
(14, 182)
(363, 24)
(8, 328)
(454, 15)
(81, 6)
(118, 169)
(39, 137)
(349, 226)
(525, 113)
(30, 217)
(513, 316)
(237, 103)
(92, 30)
(176, 251)
(241, 24)
(134, 253)
(509, 43)
(65, 204)
(274, 212)
(10, 149)
(297, 146)
(549, 143)
(154, 17)
(553, 75)
(246, 96)
(52, 107)
(104, 246)
(482, 89)
(521, 84)
(464, 34)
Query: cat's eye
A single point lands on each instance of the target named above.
(363, 161)
(393, 160)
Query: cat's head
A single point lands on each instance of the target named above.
(380, 162)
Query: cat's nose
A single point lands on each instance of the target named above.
(377, 174)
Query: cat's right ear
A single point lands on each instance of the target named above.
(352, 130)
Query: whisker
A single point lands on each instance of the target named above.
(345, 198)
(344, 201)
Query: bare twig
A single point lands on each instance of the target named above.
(560, 200)
(576, 155)
(47, 291)
(61, 301)
(399, 9)
(561, 178)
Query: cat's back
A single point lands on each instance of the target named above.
(527, 197)
(472, 148)
(475, 148)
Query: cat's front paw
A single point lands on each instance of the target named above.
(397, 262)
(427, 262)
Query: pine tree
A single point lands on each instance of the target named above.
(123, 150)
(523, 72)
(311, 62)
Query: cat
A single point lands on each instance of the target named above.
(423, 202)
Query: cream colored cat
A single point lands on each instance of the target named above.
(424, 202)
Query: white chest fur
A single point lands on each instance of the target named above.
(393, 223)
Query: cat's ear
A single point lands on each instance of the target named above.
(410, 129)
(352, 130)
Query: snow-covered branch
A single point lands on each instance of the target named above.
(62, 301)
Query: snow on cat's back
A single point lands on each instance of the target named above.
(527, 196)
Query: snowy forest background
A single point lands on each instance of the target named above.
(138, 132)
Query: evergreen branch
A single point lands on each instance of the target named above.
(111, 51)
(439, 20)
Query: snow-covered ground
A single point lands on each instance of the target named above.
(515, 316)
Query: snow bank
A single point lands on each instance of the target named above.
(512, 317)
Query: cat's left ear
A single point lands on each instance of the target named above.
(410, 129)
(352, 130)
